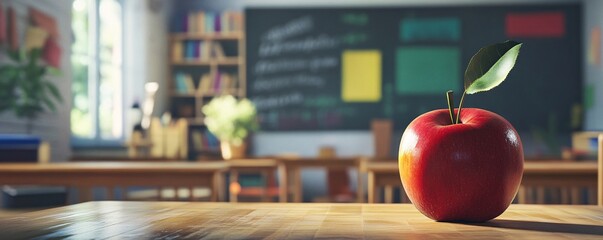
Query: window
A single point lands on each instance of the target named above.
(97, 115)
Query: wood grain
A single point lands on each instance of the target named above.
(169, 220)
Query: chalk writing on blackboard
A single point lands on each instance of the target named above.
(282, 82)
(277, 101)
(357, 19)
(298, 64)
(290, 29)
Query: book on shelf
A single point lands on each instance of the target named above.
(217, 51)
(205, 83)
(201, 22)
(177, 50)
(192, 50)
(217, 82)
(184, 83)
(204, 140)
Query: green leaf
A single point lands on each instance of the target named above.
(55, 71)
(49, 104)
(14, 55)
(490, 66)
(54, 91)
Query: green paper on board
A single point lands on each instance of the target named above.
(430, 29)
(589, 96)
(427, 70)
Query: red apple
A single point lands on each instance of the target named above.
(461, 172)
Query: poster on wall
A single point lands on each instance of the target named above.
(51, 48)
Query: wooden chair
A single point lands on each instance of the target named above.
(338, 180)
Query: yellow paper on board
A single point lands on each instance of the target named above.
(35, 38)
(361, 76)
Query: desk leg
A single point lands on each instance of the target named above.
(372, 192)
(522, 198)
(191, 192)
(109, 191)
(234, 187)
(85, 194)
(540, 196)
(389, 194)
(360, 187)
(283, 183)
(575, 195)
(266, 177)
(565, 197)
(298, 185)
(592, 195)
(216, 187)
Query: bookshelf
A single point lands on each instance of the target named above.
(207, 59)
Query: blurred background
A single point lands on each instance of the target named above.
(120, 78)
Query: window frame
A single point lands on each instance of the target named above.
(94, 76)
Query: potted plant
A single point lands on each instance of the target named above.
(24, 89)
(231, 120)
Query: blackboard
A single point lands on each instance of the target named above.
(304, 63)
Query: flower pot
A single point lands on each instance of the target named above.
(232, 151)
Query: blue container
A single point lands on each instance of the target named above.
(19, 148)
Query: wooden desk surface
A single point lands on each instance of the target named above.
(259, 163)
(168, 220)
(334, 162)
(104, 167)
(85, 175)
(109, 173)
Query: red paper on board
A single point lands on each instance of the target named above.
(541, 24)
(13, 39)
(44, 21)
(2, 24)
(52, 53)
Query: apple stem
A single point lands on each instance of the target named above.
(458, 114)
(449, 97)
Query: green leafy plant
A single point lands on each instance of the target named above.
(231, 120)
(24, 89)
(487, 69)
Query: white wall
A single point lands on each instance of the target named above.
(145, 52)
(52, 127)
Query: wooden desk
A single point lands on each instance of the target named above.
(266, 167)
(186, 220)
(290, 172)
(85, 175)
(568, 179)
(541, 173)
(381, 174)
